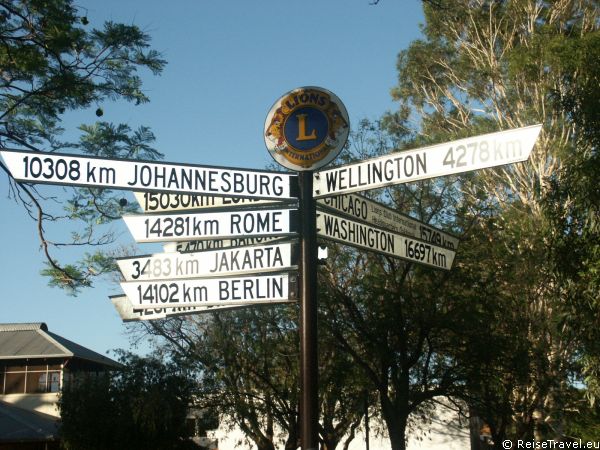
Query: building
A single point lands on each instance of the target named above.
(445, 431)
(35, 364)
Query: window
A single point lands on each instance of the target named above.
(14, 383)
(36, 382)
(54, 382)
(29, 379)
(42, 383)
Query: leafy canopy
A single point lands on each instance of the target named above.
(51, 62)
(142, 405)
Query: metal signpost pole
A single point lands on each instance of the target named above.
(309, 395)
(305, 130)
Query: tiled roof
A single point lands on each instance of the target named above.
(33, 340)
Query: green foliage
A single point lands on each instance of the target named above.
(395, 323)
(79, 275)
(531, 256)
(52, 62)
(248, 362)
(110, 141)
(583, 421)
(139, 406)
(344, 390)
(572, 207)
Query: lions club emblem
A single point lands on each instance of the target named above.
(306, 128)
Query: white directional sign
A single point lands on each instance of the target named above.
(382, 241)
(234, 261)
(128, 314)
(211, 291)
(64, 169)
(201, 246)
(450, 158)
(215, 225)
(164, 202)
(374, 213)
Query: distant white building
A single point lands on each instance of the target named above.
(446, 432)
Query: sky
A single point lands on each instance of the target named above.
(228, 62)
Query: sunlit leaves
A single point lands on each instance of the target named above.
(487, 65)
(53, 62)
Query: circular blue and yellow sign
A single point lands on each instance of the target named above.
(306, 128)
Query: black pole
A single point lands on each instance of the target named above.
(309, 376)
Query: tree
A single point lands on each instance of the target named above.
(395, 320)
(142, 405)
(383, 329)
(572, 203)
(248, 364)
(247, 361)
(343, 390)
(488, 65)
(396, 334)
(53, 62)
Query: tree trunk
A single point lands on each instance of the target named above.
(475, 424)
(264, 444)
(329, 442)
(292, 442)
(397, 434)
(395, 420)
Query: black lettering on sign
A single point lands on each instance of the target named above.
(159, 227)
(256, 222)
(51, 169)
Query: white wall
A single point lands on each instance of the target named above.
(44, 403)
(444, 432)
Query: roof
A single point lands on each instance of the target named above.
(20, 425)
(33, 340)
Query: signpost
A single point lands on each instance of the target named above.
(155, 202)
(233, 261)
(213, 225)
(128, 314)
(304, 130)
(200, 246)
(374, 213)
(382, 241)
(86, 171)
(464, 155)
(211, 291)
